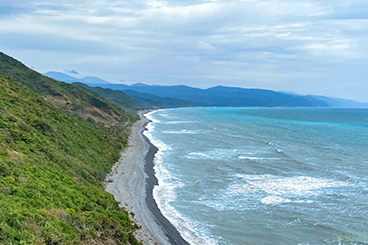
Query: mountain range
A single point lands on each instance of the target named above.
(181, 96)
(59, 76)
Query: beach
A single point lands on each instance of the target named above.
(132, 180)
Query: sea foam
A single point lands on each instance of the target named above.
(164, 193)
(276, 185)
(313, 177)
(184, 131)
(251, 158)
(179, 122)
(273, 200)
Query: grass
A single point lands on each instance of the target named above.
(52, 165)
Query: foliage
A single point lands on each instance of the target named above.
(52, 165)
(71, 98)
(118, 93)
(118, 97)
(161, 102)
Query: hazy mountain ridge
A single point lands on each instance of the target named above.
(341, 103)
(238, 97)
(181, 95)
(152, 100)
(116, 96)
(93, 80)
(62, 77)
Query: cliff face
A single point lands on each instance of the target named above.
(53, 159)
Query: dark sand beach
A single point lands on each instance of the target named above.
(132, 180)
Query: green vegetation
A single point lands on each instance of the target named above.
(51, 168)
(71, 98)
(137, 100)
(53, 163)
(157, 101)
(118, 97)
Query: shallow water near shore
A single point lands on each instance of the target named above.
(263, 175)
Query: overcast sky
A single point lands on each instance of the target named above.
(304, 46)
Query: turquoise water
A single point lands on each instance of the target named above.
(263, 176)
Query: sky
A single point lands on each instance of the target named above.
(304, 46)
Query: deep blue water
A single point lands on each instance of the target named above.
(262, 175)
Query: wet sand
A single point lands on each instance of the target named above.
(131, 181)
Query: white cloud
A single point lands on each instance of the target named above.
(276, 44)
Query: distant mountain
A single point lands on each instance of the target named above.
(223, 96)
(59, 76)
(118, 97)
(227, 96)
(93, 80)
(72, 72)
(152, 96)
(232, 96)
(136, 100)
(181, 95)
(340, 103)
(162, 102)
(139, 85)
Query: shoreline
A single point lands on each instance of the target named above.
(170, 231)
(132, 180)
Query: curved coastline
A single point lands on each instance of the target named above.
(132, 180)
(170, 231)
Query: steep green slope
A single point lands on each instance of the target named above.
(118, 97)
(131, 99)
(160, 102)
(71, 98)
(51, 169)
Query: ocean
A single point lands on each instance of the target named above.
(263, 175)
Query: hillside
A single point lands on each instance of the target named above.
(240, 97)
(57, 143)
(93, 80)
(340, 103)
(134, 100)
(70, 98)
(52, 165)
(181, 96)
(117, 97)
(59, 76)
(223, 96)
(152, 100)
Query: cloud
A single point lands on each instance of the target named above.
(301, 45)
